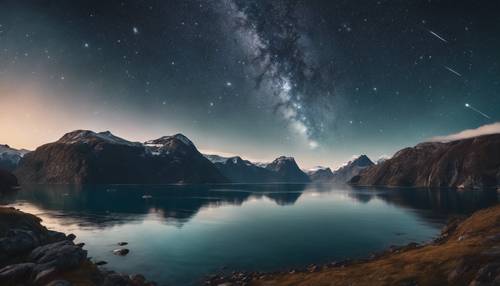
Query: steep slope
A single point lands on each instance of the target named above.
(10, 157)
(238, 170)
(287, 170)
(320, 174)
(177, 157)
(7, 181)
(351, 169)
(86, 157)
(468, 163)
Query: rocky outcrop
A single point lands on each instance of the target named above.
(30, 254)
(238, 170)
(351, 169)
(86, 157)
(467, 163)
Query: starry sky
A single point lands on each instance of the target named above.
(318, 80)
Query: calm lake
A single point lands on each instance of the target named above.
(179, 234)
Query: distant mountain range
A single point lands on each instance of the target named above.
(281, 170)
(466, 163)
(86, 157)
(343, 174)
(10, 157)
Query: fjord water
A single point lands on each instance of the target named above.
(179, 234)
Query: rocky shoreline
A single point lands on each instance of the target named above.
(30, 254)
(466, 253)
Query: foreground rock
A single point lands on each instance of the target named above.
(466, 163)
(32, 255)
(466, 253)
(86, 157)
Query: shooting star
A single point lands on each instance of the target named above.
(477, 110)
(453, 71)
(437, 36)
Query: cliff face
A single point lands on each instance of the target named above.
(468, 163)
(86, 157)
(7, 181)
(351, 169)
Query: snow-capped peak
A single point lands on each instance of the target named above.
(10, 154)
(166, 139)
(86, 136)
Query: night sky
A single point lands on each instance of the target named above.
(318, 80)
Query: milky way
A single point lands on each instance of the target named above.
(318, 80)
(283, 63)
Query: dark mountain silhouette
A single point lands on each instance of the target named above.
(86, 157)
(467, 163)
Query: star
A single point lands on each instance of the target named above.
(86, 45)
(229, 83)
(135, 30)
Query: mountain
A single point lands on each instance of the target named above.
(7, 181)
(320, 174)
(238, 170)
(87, 157)
(286, 170)
(216, 158)
(467, 163)
(351, 169)
(10, 157)
(176, 156)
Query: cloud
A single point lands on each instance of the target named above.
(482, 130)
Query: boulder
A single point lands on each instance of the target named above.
(16, 273)
(59, 283)
(121, 251)
(63, 255)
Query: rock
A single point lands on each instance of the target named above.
(45, 276)
(71, 236)
(16, 273)
(122, 243)
(62, 255)
(59, 283)
(102, 262)
(459, 270)
(487, 274)
(121, 251)
(17, 242)
(115, 279)
(137, 279)
(55, 236)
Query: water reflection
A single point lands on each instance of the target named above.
(104, 206)
(178, 234)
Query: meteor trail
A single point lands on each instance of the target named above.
(453, 71)
(477, 110)
(437, 36)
